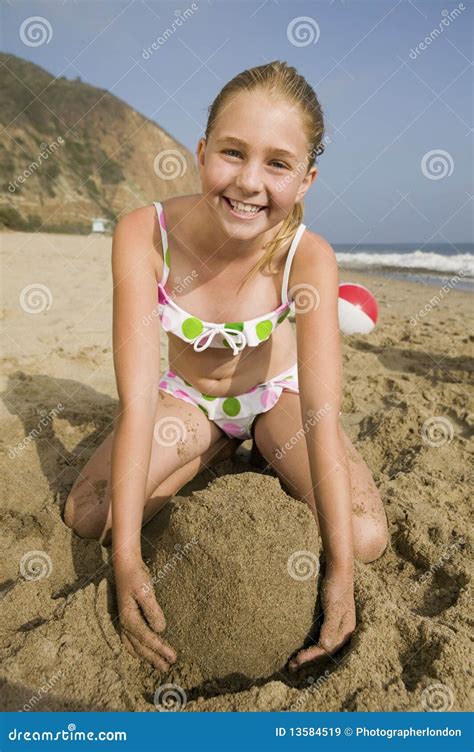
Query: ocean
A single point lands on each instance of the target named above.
(429, 264)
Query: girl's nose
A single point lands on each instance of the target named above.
(249, 179)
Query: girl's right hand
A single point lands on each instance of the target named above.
(140, 616)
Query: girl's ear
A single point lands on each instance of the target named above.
(307, 183)
(200, 150)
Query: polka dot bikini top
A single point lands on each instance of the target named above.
(203, 334)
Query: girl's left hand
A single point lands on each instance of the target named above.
(337, 600)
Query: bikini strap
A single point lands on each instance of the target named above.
(286, 273)
(164, 241)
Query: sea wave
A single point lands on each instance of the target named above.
(460, 263)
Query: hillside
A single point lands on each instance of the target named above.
(70, 152)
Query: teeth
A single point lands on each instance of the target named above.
(248, 208)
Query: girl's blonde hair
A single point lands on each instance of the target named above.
(281, 82)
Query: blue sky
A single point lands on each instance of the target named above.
(388, 103)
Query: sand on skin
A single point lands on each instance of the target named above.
(59, 638)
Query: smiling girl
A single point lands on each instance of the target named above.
(237, 369)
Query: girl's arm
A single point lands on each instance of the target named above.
(315, 288)
(136, 343)
(136, 346)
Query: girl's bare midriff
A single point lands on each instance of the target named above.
(212, 295)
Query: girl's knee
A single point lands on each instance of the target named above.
(370, 545)
(81, 520)
(68, 513)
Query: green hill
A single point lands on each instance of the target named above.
(70, 152)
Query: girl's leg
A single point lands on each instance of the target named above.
(88, 509)
(273, 431)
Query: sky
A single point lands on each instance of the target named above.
(394, 78)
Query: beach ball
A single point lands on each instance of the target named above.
(357, 309)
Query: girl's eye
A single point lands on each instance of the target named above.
(280, 164)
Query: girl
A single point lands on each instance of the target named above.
(229, 264)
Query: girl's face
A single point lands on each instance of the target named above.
(257, 155)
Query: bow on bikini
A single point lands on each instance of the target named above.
(234, 337)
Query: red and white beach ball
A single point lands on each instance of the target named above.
(357, 309)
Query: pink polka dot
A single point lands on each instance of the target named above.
(163, 385)
(162, 220)
(181, 393)
(162, 296)
(269, 397)
(232, 428)
(171, 374)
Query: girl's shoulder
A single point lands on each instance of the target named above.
(313, 246)
(180, 212)
(137, 236)
(141, 232)
(314, 261)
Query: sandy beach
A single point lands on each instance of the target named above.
(408, 409)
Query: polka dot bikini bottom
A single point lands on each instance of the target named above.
(233, 415)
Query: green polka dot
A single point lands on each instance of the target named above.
(237, 325)
(282, 316)
(207, 397)
(187, 383)
(192, 327)
(263, 329)
(231, 406)
(167, 258)
(204, 410)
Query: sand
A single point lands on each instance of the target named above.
(408, 409)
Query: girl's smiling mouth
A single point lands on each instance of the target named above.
(236, 208)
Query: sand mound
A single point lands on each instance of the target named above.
(236, 574)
